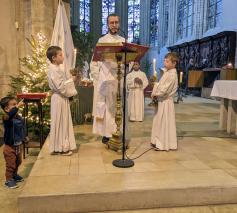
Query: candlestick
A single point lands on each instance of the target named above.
(74, 58)
(181, 77)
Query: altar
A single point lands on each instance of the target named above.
(226, 90)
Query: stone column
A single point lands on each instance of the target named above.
(161, 24)
(145, 22)
(43, 16)
(8, 44)
(75, 13)
(96, 19)
(121, 8)
(172, 26)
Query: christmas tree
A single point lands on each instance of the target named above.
(33, 79)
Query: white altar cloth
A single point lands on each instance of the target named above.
(225, 89)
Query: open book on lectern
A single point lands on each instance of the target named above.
(107, 51)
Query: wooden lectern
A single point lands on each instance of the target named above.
(121, 53)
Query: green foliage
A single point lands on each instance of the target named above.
(33, 79)
(83, 42)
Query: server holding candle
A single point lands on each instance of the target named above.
(163, 136)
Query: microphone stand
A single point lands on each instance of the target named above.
(124, 163)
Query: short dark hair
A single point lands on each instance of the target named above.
(112, 15)
(5, 101)
(52, 52)
(173, 56)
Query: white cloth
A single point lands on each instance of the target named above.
(62, 37)
(105, 88)
(225, 89)
(136, 95)
(61, 137)
(164, 128)
(85, 70)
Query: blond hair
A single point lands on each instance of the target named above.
(173, 56)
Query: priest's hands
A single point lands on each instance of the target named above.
(138, 81)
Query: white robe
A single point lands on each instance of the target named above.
(61, 129)
(136, 95)
(105, 89)
(164, 127)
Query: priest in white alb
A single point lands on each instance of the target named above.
(105, 85)
(136, 83)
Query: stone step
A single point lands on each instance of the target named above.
(87, 182)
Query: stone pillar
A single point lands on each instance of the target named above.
(145, 22)
(75, 13)
(121, 8)
(19, 20)
(8, 43)
(172, 26)
(96, 19)
(43, 16)
(160, 24)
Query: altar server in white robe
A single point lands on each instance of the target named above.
(105, 85)
(61, 139)
(163, 136)
(136, 83)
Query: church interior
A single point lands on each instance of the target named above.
(124, 173)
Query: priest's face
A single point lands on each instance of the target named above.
(136, 66)
(113, 24)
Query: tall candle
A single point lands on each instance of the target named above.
(74, 58)
(181, 77)
(154, 66)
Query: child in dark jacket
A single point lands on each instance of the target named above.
(13, 136)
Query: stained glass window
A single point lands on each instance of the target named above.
(185, 18)
(108, 7)
(214, 11)
(133, 20)
(154, 22)
(84, 14)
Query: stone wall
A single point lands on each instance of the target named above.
(19, 20)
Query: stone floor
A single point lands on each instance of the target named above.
(195, 155)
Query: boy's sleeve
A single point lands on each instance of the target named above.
(165, 86)
(130, 81)
(61, 86)
(95, 69)
(144, 81)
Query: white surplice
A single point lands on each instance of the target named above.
(61, 129)
(136, 95)
(164, 126)
(105, 89)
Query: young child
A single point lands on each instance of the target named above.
(163, 136)
(136, 83)
(61, 140)
(13, 137)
